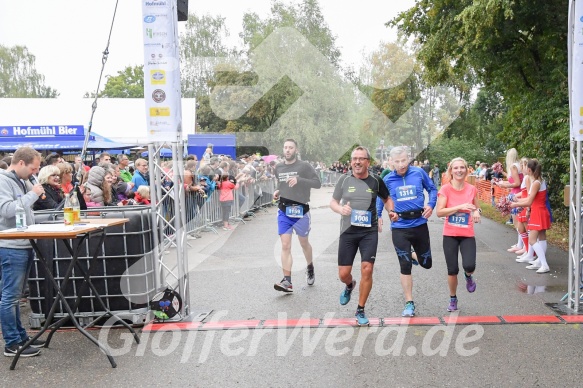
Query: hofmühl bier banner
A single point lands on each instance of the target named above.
(161, 71)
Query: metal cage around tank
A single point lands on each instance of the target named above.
(124, 272)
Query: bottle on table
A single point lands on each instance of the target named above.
(68, 215)
(20, 215)
(74, 200)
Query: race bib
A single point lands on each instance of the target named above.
(295, 211)
(360, 218)
(460, 220)
(406, 193)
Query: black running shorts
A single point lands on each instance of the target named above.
(350, 243)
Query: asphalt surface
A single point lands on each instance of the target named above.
(232, 274)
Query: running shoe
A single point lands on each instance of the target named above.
(543, 270)
(470, 283)
(345, 295)
(310, 276)
(284, 286)
(10, 351)
(37, 344)
(452, 304)
(409, 310)
(361, 318)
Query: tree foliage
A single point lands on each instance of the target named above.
(204, 37)
(18, 75)
(312, 115)
(518, 50)
(128, 83)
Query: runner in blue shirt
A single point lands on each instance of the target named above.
(409, 216)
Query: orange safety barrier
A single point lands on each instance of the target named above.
(485, 188)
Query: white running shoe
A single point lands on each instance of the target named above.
(543, 270)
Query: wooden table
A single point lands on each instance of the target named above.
(87, 228)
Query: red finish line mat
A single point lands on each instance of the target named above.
(378, 322)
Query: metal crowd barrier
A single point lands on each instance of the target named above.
(330, 178)
(204, 214)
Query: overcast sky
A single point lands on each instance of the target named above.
(68, 36)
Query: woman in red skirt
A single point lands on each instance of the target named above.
(540, 216)
(525, 255)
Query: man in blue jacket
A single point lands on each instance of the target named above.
(408, 217)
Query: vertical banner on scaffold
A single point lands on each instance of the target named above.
(161, 71)
(576, 65)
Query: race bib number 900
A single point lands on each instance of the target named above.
(360, 218)
(406, 193)
(460, 220)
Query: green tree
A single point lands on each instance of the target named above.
(306, 17)
(128, 83)
(204, 37)
(314, 113)
(18, 75)
(518, 50)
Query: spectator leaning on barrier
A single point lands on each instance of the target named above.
(16, 256)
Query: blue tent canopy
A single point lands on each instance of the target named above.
(164, 152)
(59, 143)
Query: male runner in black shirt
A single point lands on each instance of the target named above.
(355, 198)
(295, 179)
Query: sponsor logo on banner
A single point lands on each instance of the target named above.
(159, 123)
(44, 130)
(158, 77)
(150, 19)
(159, 111)
(150, 33)
(157, 63)
(158, 96)
(155, 3)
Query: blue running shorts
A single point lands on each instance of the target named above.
(286, 225)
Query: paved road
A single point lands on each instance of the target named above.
(233, 274)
